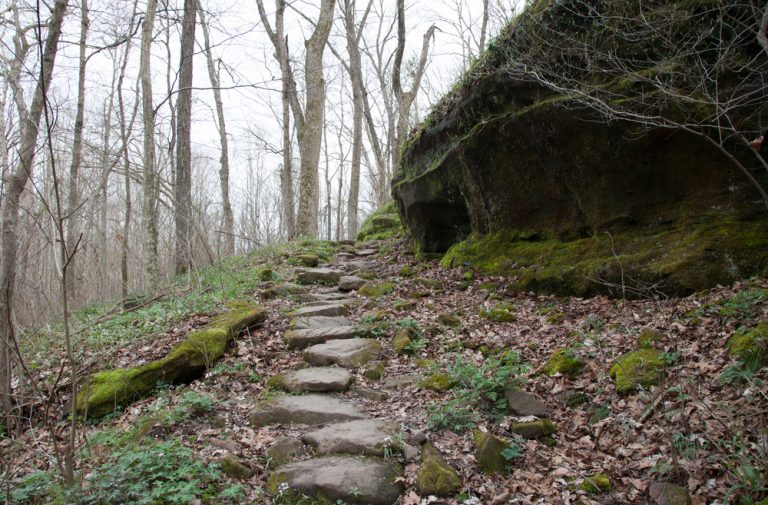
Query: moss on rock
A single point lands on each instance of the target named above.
(401, 340)
(534, 429)
(436, 477)
(382, 224)
(596, 484)
(501, 313)
(376, 289)
(104, 391)
(648, 337)
(374, 371)
(564, 361)
(437, 381)
(637, 368)
(489, 451)
(750, 345)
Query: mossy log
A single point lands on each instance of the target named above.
(104, 391)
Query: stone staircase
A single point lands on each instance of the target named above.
(357, 459)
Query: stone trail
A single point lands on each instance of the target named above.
(356, 459)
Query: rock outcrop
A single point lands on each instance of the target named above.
(517, 179)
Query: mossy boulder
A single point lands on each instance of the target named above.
(405, 305)
(382, 224)
(437, 381)
(266, 274)
(640, 368)
(449, 319)
(232, 466)
(750, 345)
(401, 340)
(102, 392)
(373, 371)
(307, 260)
(648, 338)
(532, 430)
(489, 452)
(564, 361)
(666, 493)
(429, 283)
(376, 289)
(436, 477)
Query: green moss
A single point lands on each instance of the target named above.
(276, 382)
(405, 305)
(104, 391)
(435, 476)
(596, 484)
(682, 260)
(449, 319)
(401, 340)
(382, 224)
(437, 382)
(266, 274)
(234, 468)
(374, 371)
(750, 345)
(534, 429)
(564, 361)
(637, 368)
(428, 283)
(406, 271)
(501, 313)
(489, 452)
(376, 289)
(648, 338)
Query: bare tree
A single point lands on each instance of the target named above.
(183, 182)
(308, 118)
(149, 214)
(229, 222)
(14, 185)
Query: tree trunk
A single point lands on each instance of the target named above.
(229, 220)
(73, 216)
(14, 186)
(183, 185)
(149, 213)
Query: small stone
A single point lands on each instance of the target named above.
(411, 453)
(640, 368)
(428, 283)
(318, 276)
(564, 361)
(371, 394)
(283, 290)
(335, 309)
(232, 466)
(402, 381)
(401, 340)
(351, 283)
(449, 320)
(489, 452)
(436, 477)
(376, 289)
(437, 382)
(534, 429)
(405, 305)
(665, 493)
(373, 371)
(350, 353)
(284, 450)
(417, 438)
(308, 260)
(521, 403)
(366, 252)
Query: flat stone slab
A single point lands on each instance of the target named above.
(318, 276)
(335, 309)
(524, 404)
(370, 437)
(325, 297)
(305, 337)
(349, 353)
(351, 283)
(347, 302)
(307, 322)
(314, 380)
(356, 480)
(366, 252)
(306, 409)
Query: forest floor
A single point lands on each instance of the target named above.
(702, 424)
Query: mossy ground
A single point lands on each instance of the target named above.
(565, 361)
(640, 368)
(750, 345)
(382, 224)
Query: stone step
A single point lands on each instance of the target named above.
(356, 480)
(334, 309)
(317, 276)
(350, 353)
(305, 337)
(366, 252)
(325, 297)
(351, 283)
(310, 409)
(312, 322)
(347, 302)
(369, 437)
(313, 380)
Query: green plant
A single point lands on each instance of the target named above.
(410, 324)
(687, 446)
(416, 345)
(254, 378)
(453, 415)
(513, 451)
(670, 357)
